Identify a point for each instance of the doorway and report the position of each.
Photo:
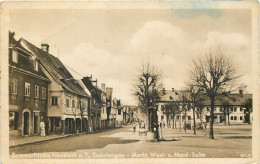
(26, 123)
(36, 124)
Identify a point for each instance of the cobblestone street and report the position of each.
(230, 142)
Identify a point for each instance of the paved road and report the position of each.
(84, 141)
(229, 142)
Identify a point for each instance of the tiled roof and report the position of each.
(25, 59)
(58, 71)
(233, 99)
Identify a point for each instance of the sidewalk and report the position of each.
(34, 139)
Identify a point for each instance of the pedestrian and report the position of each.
(42, 126)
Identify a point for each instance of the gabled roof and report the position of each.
(56, 69)
(25, 58)
(95, 92)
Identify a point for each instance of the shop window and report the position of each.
(13, 120)
(54, 101)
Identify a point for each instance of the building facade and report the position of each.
(28, 91)
(234, 105)
(67, 100)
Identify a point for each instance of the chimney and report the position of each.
(45, 47)
(241, 93)
(103, 87)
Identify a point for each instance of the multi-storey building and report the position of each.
(97, 104)
(234, 104)
(68, 102)
(28, 91)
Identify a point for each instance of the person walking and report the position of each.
(42, 126)
(134, 127)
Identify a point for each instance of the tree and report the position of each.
(225, 101)
(249, 109)
(195, 98)
(171, 109)
(215, 73)
(147, 88)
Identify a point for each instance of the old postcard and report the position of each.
(130, 82)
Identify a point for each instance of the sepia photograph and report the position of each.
(102, 81)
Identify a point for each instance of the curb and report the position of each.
(37, 141)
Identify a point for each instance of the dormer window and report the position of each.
(15, 56)
(36, 65)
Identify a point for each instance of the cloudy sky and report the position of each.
(111, 44)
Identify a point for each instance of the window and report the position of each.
(37, 88)
(162, 117)
(67, 103)
(15, 56)
(54, 100)
(14, 85)
(36, 65)
(73, 103)
(13, 120)
(43, 93)
(235, 117)
(231, 117)
(241, 117)
(27, 89)
(162, 107)
(235, 109)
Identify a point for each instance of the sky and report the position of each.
(110, 44)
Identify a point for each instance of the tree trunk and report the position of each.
(180, 120)
(194, 121)
(225, 121)
(148, 119)
(185, 120)
(211, 132)
(173, 122)
(228, 118)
